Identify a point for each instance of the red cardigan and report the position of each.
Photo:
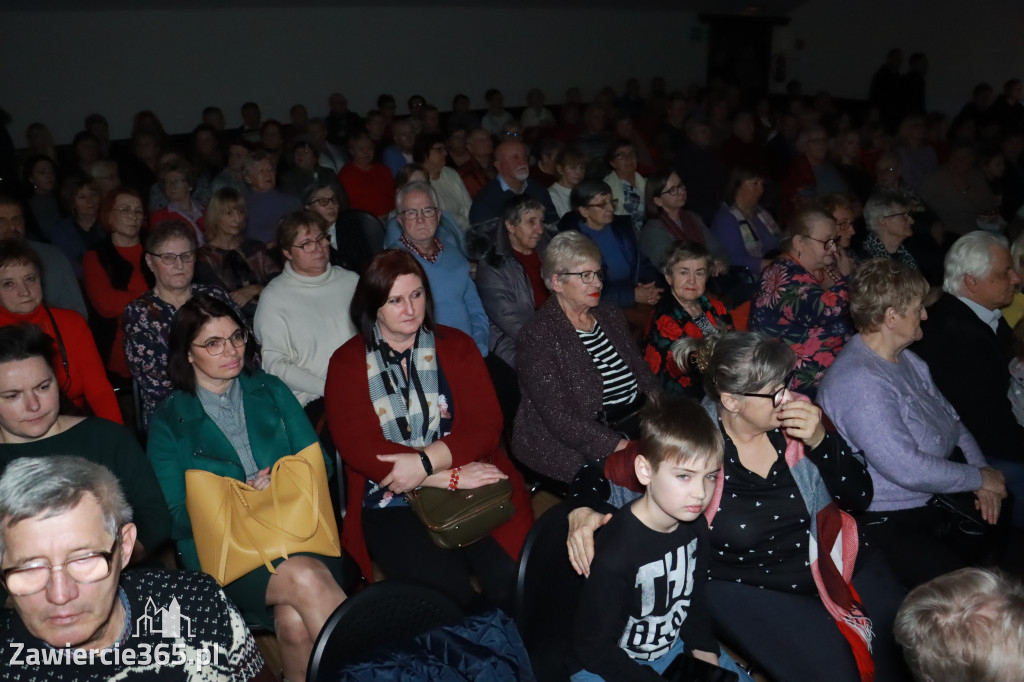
(356, 431)
(370, 190)
(89, 384)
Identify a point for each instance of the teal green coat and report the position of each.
(182, 437)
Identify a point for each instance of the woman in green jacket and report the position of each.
(233, 420)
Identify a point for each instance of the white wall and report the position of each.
(56, 67)
(966, 43)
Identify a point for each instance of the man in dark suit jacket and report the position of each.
(967, 346)
(510, 160)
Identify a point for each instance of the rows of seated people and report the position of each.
(582, 265)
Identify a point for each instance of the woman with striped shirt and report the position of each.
(580, 371)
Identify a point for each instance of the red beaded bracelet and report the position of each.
(453, 482)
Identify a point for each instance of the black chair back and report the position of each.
(547, 589)
(385, 613)
(366, 223)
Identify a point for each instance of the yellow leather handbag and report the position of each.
(238, 528)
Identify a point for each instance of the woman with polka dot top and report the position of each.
(789, 586)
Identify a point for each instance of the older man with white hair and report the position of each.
(967, 345)
(512, 163)
(66, 534)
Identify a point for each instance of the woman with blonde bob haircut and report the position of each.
(229, 260)
(882, 399)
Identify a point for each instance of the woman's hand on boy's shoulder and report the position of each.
(583, 523)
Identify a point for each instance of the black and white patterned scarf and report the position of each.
(406, 405)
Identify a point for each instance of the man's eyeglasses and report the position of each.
(587, 276)
(776, 397)
(217, 344)
(311, 245)
(427, 212)
(324, 202)
(171, 258)
(901, 214)
(22, 581)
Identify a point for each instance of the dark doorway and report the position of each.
(740, 52)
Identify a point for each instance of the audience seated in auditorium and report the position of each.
(461, 115)
(1008, 109)
(580, 370)
(570, 165)
(456, 299)
(403, 132)
(231, 261)
(478, 169)
(545, 157)
(430, 152)
(342, 122)
(958, 193)
(595, 137)
(213, 370)
(745, 228)
(918, 158)
(701, 169)
(177, 179)
(671, 134)
(329, 155)
(265, 203)
(170, 259)
(668, 222)
(81, 229)
(967, 345)
(368, 184)
(303, 315)
(811, 174)
(628, 186)
(232, 174)
(794, 304)
(60, 287)
(513, 168)
(82, 379)
(39, 173)
(305, 170)
(496, 117)
(113, 275)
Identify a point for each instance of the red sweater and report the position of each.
(356, 431)
(110, 302)
(88, 384)
(370, 190)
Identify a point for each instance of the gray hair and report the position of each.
(1017, 251)
(102, 164)
(736, 362)
(55, 484)
(882, 203)
(567, 251)
(254, 158)
(413, 188)
(971, 254)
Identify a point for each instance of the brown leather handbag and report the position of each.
(238, 528)
(461, 517)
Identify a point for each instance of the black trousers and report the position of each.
(401, 546)
(793, 638)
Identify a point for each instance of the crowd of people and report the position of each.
(462, 300)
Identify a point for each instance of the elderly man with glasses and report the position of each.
(455, 296)
(66, 534)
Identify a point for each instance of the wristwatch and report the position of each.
(427, 466)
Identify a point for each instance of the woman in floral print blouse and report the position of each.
(793, 304)
(688, 312)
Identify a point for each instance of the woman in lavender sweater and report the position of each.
(882, 399)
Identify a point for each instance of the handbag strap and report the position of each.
(312, 493)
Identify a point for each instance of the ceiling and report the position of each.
(738, 7)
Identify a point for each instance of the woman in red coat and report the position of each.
(79, 369)
(410, 404)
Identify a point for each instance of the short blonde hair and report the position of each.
(965, 626)
(222, 201)
(880, 284)
(567, 251)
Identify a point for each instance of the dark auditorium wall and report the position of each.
(56, 67)
(966, 43)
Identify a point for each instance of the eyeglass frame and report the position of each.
(599, 274)
(420, 213)
(776, 397)
(310, 245)
(108, 556)
(130, 212)
(321, 200)
(223, 342)
(901, 214)
(672, 191)
(168, 258)
(829, 244)
(612, 201)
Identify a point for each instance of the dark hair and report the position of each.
(185, 327)
(517, 207)
(402, 177)
(10, 200)
(584, 192)
(29, 166)
(383, 99)
(84, 136)
(18, 251)
(70, 188)
(24, 341)
(736, 362)
(491, 93)
(421, 147)
(292, 223)
(739, 175)
(615, 146)
(165, 230)
(655, 186)
(375, 285)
